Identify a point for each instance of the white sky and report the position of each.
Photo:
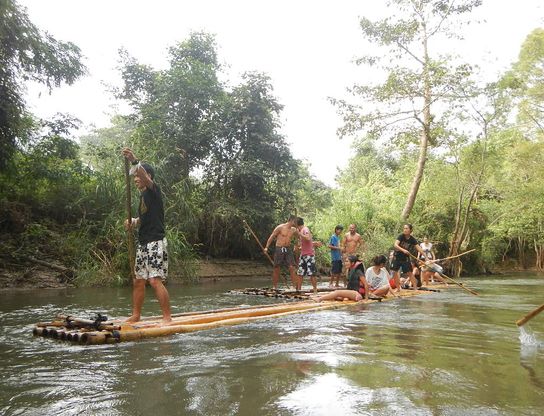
(306, 47)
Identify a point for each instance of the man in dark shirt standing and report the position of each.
(405, 245)
(151, 254)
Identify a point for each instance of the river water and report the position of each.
(447, 353)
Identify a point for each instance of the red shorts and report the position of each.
(392, 283)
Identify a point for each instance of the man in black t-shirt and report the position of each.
(151, 254)
(405, 245)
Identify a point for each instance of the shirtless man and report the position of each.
(283, 255)
(351, 244)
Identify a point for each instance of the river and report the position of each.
(447, 353)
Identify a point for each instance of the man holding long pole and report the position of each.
(283, 254)
(151, 255)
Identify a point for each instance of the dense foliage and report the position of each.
(220, 158)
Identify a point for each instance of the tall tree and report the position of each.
(27, 53)
(176, 110)
(399, 109)
(251, 172)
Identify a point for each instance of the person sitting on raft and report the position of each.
(377, 277)
(357, 288)
(430, 267)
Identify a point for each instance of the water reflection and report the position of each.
(442, 353)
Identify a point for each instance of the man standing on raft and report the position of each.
(306, 264)
(151, 254)
(283, 255)
(351, 244)
(405, 245)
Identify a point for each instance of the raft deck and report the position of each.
(100, 330)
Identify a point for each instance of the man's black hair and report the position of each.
(376, 261)
(300, 221)
(339, 227)
(353, 258)
(149, 169)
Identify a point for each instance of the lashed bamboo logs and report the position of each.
(92, 332)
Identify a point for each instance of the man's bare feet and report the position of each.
(166, 320)
(133, 319)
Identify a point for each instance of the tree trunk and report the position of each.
(521, 252)
(425, 135)
(539, 250)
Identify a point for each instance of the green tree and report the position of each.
(26, 53)
(176, 110)
(400, 109)
(251, 173)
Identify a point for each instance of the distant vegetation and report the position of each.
(220, 158)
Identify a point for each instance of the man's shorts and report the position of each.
(336, 267)
(403, 265)
(283, 256)
(152, 260)
(306, 266)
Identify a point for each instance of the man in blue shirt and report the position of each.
(336, 255)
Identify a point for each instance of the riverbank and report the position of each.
(41, 276)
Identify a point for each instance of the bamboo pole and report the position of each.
(70, 321)
(174, 329)
(38, 331)
(445, 276)
(263, 250)
(530, 315)
(130, 233)
(458, 255)
(196, 313)
(97, 337)
(191, 320)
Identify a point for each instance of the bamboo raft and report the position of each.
(268, 292)
(101, 330)
(306, 294)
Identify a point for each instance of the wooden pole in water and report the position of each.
(130, 233)
(530, 315)
(263, 250)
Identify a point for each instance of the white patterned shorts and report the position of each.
(152, 260)
(306, 266)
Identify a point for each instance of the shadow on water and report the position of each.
(442, 353)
